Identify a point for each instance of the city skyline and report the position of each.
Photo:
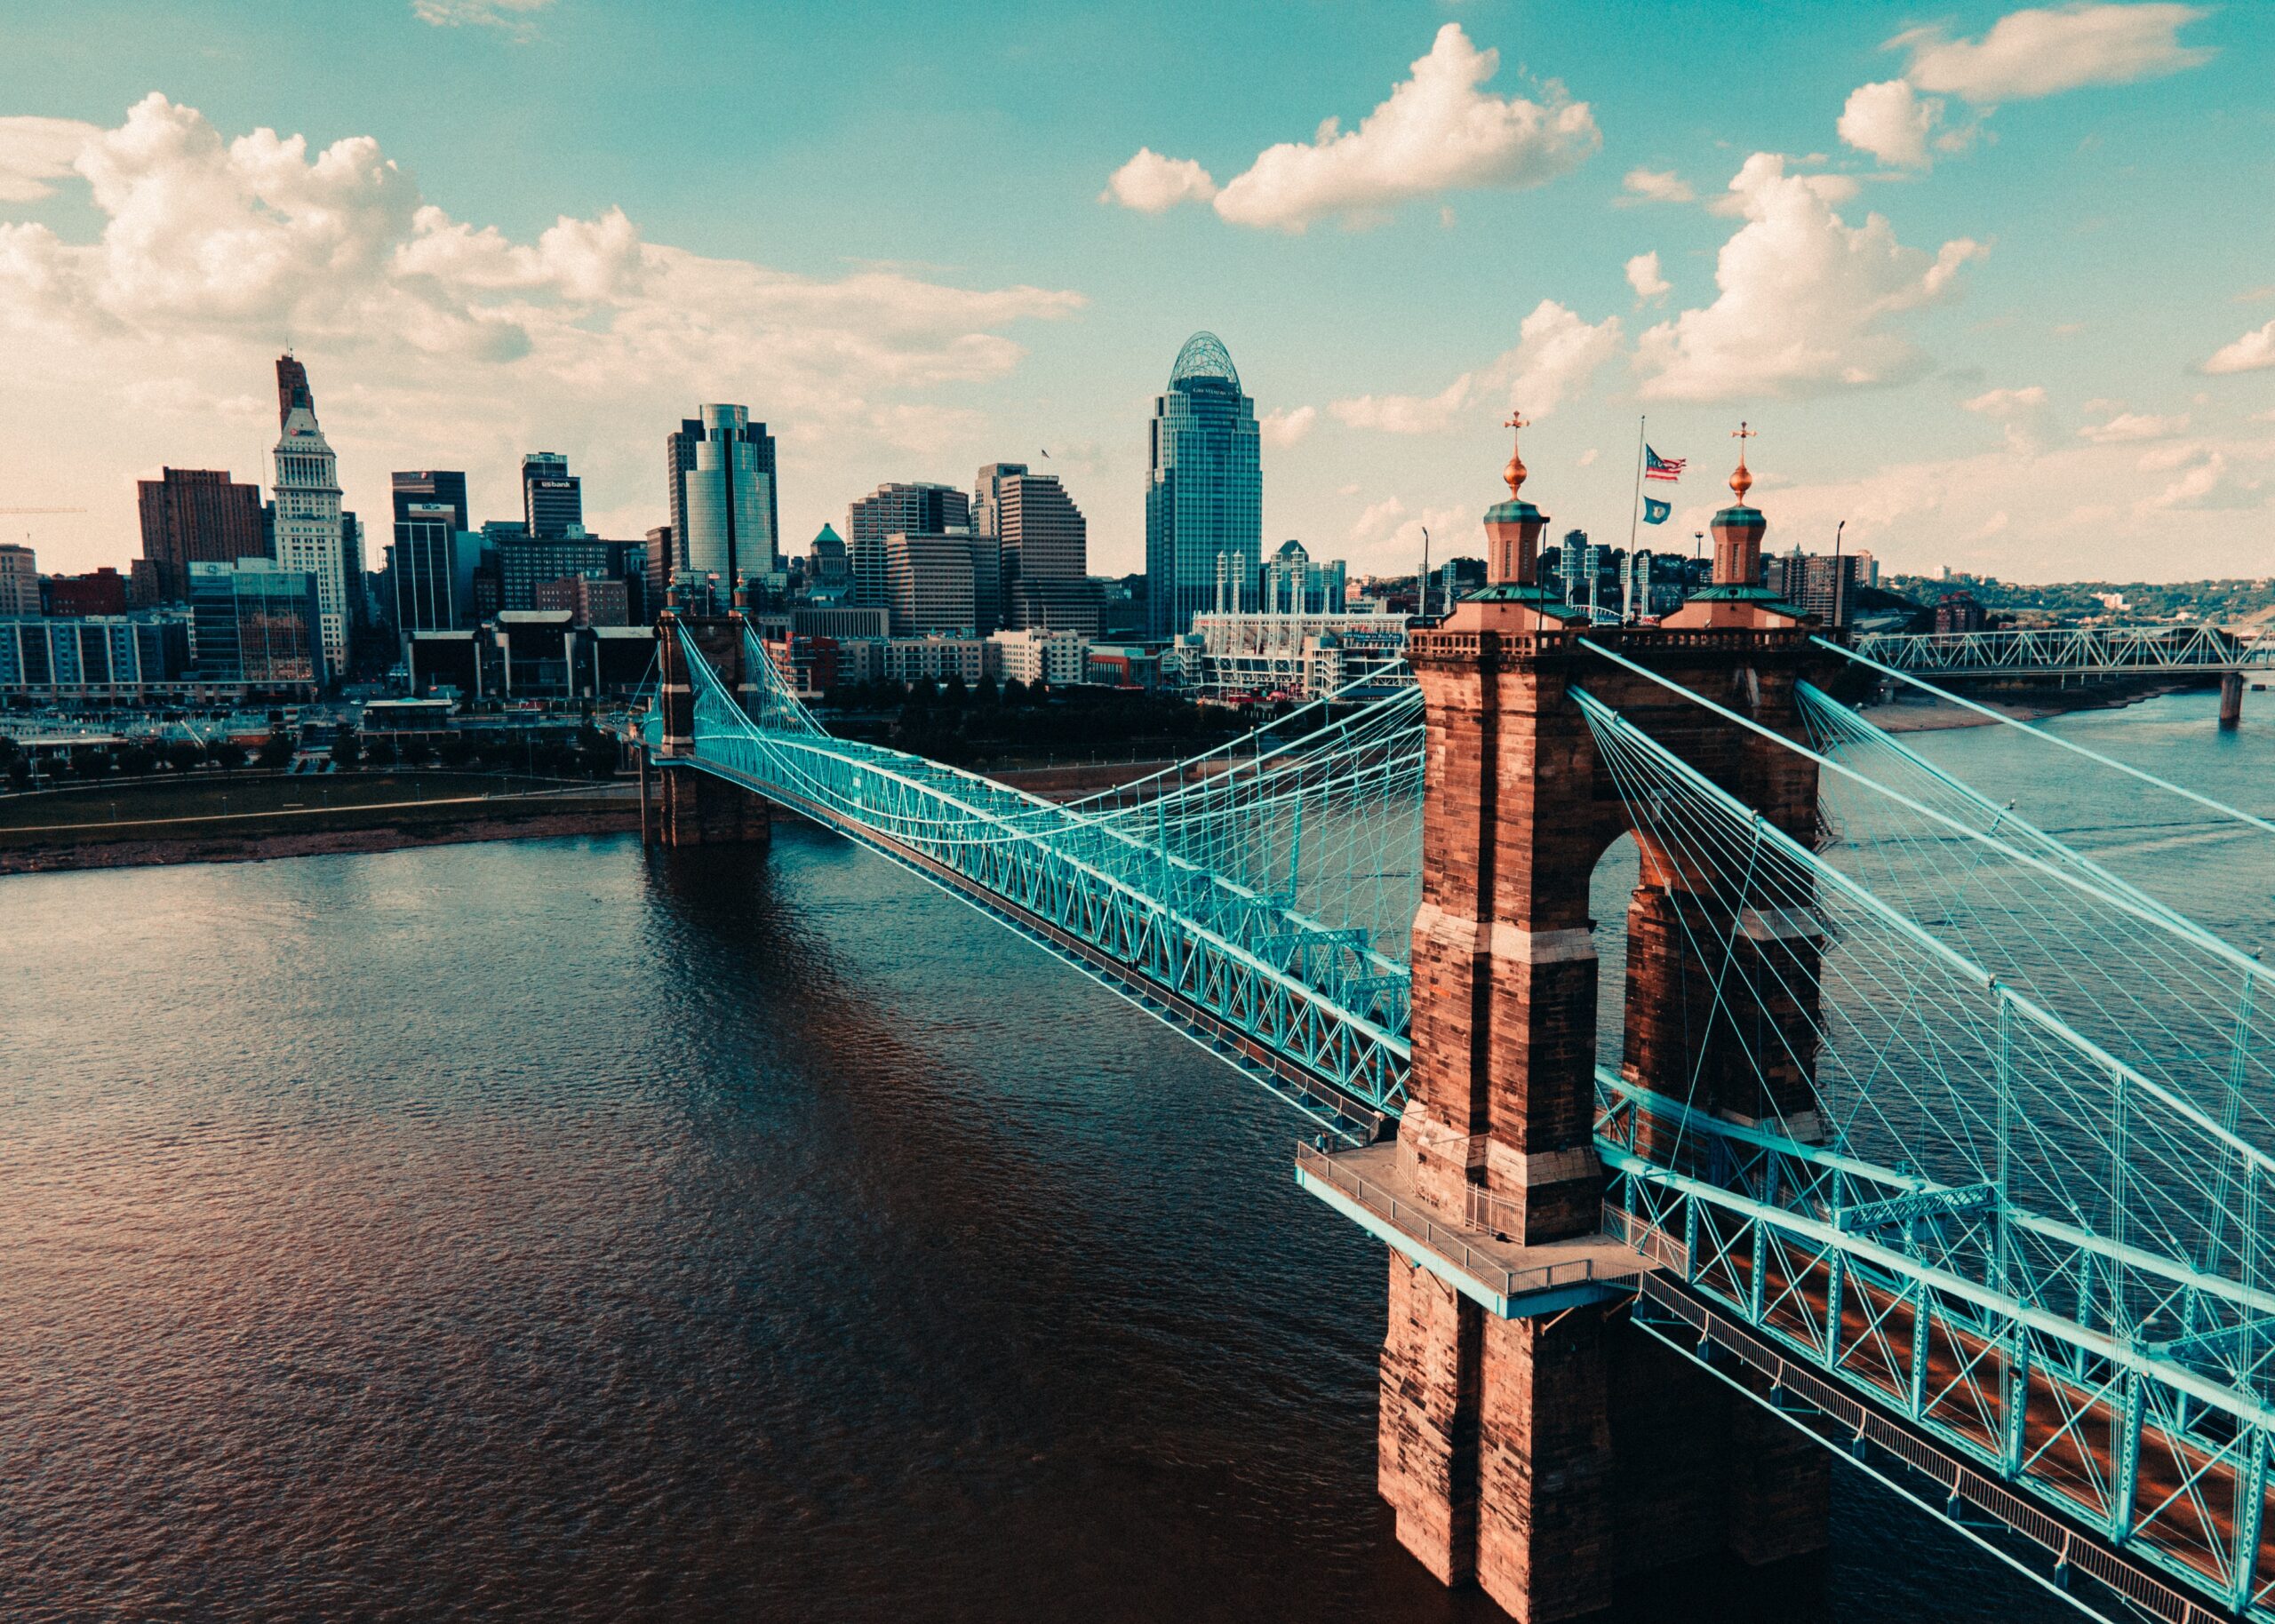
(1911, 265)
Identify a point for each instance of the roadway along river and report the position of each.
(532, 1232)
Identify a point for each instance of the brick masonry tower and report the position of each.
(1543, 1457)
(692, 808)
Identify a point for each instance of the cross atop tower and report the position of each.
(1514, 473)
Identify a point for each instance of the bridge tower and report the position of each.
(693, 807)
(1546, 1453)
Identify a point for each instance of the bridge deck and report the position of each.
(1371, 1188)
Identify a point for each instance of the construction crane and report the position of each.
(13, 512)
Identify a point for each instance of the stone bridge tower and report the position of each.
(1545, 1457)
(688, 807)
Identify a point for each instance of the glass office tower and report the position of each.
(724, 521)
(1204, 490)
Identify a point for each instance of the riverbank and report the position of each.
(254, 818)
(1920, 713)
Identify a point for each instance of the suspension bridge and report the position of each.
(1914, 1136)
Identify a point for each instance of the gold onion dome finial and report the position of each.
(1742, 481)
(1514, 473)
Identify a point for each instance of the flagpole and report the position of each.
(1635, 511)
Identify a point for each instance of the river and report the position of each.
(548, 1230)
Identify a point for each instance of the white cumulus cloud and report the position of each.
(1437, 131)
(1805, 299)
(1655, 186)
(2130, 426)
(36, 151)
(512, 16)
(2044, 51)
(1643, 276)
(1151, 183)
(1891, 121)
(2023, 411)
(1285, 426)
(430, 336)
(2255, 349)
(1556, 351)
(2005, 403)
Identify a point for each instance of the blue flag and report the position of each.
(1656, 512)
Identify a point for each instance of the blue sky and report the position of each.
(1971, 308)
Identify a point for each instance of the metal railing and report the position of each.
(1422, 1222)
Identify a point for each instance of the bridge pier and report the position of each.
(2230, 699)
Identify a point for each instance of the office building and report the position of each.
(524, 560)
(591, 600)
(929, 584)
(101, 592)
(1052, 659)
(921, 509)
(829, 572)
(839, 622)
(1204, 490)
(446, 486)
(1958, 611)
(1815, 583)
(658, 563)
(1042, 546)
(19, 580)
(987, 541)
(306, 527)
(257, 623)
(48, 658)
(553, 500)
(423, 565)
(1290, 583)
(194, 515)
(932, 658)
(723, 499)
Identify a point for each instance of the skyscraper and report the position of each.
(292, 389)
(424, 563)
(18, 581)
(921, 509)
(1045, 551)
(307, 525)
(1204, 490)
(724, 522)
(196, 515)
(426, 485)
(553, 501)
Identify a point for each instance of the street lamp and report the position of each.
(1839, 581)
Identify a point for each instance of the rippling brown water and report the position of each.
(541, 1231)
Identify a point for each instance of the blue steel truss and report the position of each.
(2027, 1226)
(1280, 970)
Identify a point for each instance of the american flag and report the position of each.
(1658, 467)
